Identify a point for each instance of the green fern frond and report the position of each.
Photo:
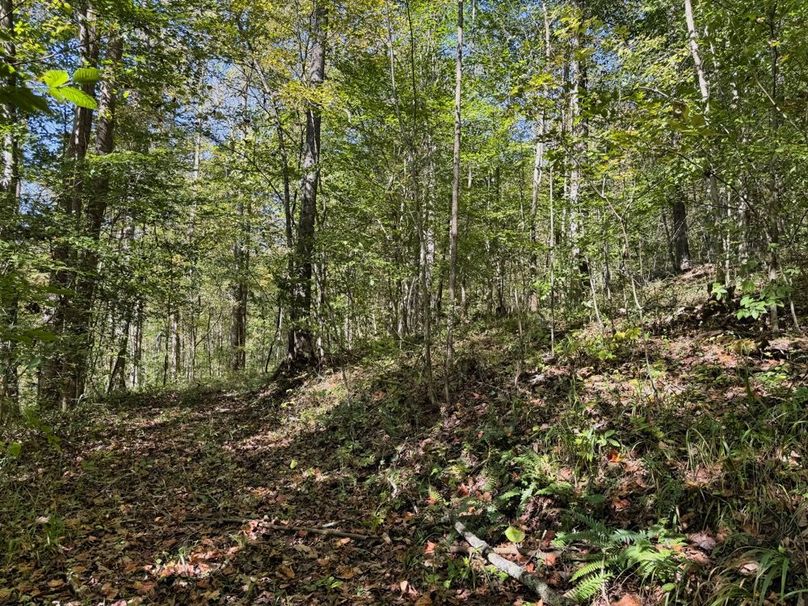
(587, 569)
(589, 586)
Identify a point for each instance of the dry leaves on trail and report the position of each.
(630, 599)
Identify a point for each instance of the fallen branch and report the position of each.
(324, 530)
(513, 570)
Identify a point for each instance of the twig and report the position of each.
(324, 530)
(513, 570)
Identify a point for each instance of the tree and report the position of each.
(453, 217)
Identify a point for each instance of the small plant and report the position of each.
(535, 478)
(590, 442)
(754, 577)
(754, 305)
(652, 554)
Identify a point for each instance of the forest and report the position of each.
(404, 302)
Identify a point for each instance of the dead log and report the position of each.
(512, 569)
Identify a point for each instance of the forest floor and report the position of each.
(671, 455)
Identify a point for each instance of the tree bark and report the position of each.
(92, 220)
(9, 191)
(704, 91)
(301, 350)
(240, 293)
(693, 42)
(681, 246)
(453, 220)
(60, 375)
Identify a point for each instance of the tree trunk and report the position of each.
(301, 350)
(704, 91)
(681, 246)
(9, 191)
(693, 38)
(580, 274)
(59, 378)
(538, 173)
(238, 325)
(98, 194)
(453, 220)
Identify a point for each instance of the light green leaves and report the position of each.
(86, 75)
(514, 535)
(74, 96)
(14, 450)
(56, 80)
(23, 99)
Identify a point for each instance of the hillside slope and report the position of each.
(654, 463)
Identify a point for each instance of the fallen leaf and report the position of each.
(620, 504)
(703, 541)
(346, 572)
(286, 571)
(630, 599)
(144, 587)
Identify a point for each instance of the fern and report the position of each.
(589, 586)
(650, 552)
(587, 569)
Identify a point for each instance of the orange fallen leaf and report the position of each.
(620, 504)
(630, 599)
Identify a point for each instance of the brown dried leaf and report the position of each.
(630, 599)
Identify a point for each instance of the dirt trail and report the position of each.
(170, 501)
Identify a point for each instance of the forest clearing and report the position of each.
(404, 302)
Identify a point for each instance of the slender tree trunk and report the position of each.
(301, 344)
(453, 220)
(137, 379)
(92, 220)
(693, 39)
(240, 293)
(59, 378)
(704, 91)
(9, 191)
(117, 376)
(681, 246)
(774, 212)
(538, 173)
(580, 279)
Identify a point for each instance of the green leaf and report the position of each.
(74, 96)
(54, 78)
(86, 75)
(23, 99)
(14, 450)
(514, 535)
